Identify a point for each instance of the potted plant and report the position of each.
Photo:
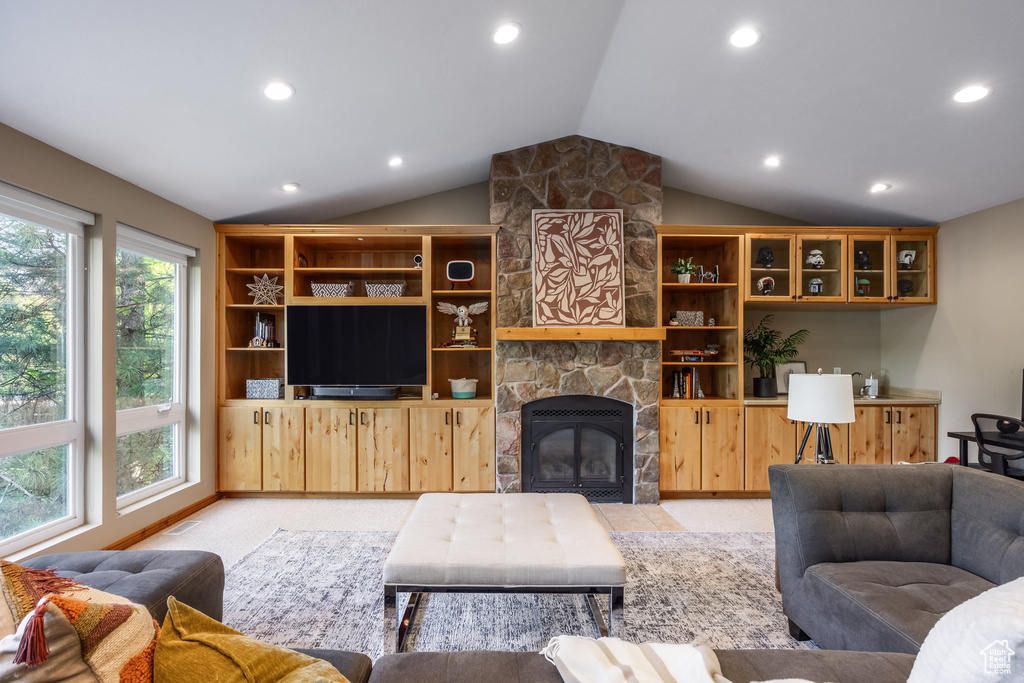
(684, 268)
(764, 348)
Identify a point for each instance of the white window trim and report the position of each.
(133, 420)
(70, 431)
(49, 213)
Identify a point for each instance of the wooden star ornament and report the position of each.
(265, 290)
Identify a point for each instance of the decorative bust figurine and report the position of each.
(765, 257)
(863, 260)
(815, 286)
(766, 284)
(815, 259)
(905, 287)
(906, 258)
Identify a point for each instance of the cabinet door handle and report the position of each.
(696, 417)
(255, 417)
(446, 414)
(707, 417)
(888, 417)
(266, 417)
(800, 297)
(458, 418)
(351, 417)
(362, 418)
(794, 297)
(899, 417)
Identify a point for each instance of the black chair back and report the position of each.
(993, 455)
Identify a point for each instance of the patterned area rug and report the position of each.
(322, 589)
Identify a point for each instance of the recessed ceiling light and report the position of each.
(506, 33)
(290, 187)
(971, 93)
(881, 187)
(773, 161)
(745, 36)
(278, 90)
(395, 162)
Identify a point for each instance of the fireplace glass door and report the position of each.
(581, 456)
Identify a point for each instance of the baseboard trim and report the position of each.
(166, 522)
(677, 495)
(339, 495)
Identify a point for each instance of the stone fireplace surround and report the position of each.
(577, 173)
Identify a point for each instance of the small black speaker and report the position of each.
(460, 271)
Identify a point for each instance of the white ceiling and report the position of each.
(167, 96)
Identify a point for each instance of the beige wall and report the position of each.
(686, 208)
(462, 206)
(35, 166)
(969, 345)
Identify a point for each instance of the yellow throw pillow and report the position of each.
(194, 647)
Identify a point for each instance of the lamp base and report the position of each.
(823, 445)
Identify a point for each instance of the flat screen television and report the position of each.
(356, 345)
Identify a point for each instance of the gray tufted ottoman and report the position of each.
(147, 577)
(503, 543)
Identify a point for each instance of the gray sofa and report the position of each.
(870, 557)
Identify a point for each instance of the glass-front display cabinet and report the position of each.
(868, 280)
(821, 267)
(770, 275)
(912, 263)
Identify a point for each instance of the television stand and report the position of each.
(354, 393)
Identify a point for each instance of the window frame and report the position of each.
(174, 413)
(51, 215)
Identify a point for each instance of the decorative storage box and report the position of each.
(390, 289)
(690, 318)
(332, 288)
(267, 388)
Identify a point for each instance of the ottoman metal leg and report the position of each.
(391, 625)
(616, 612)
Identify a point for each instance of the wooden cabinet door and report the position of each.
(913, 433)
(430, 449)
(474, 449)
(284, 452)
(839, 435)
(240, 449)
(680, 449)
(330, 449)
(722, 449)
(382, 449)
(871, 436)
(770, 439)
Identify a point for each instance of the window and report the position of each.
(41, 371)
(152, 337)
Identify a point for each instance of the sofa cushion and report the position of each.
(835, 666)
(881, 606)
(465, 667)
(194, 647)
(988, 525)
(147, 577)
(355, 666)
(977, 639)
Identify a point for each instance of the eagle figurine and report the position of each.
(462, 313)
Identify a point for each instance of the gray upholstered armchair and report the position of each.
(870, 557)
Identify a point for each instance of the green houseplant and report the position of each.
(684, 268)
(764, 348)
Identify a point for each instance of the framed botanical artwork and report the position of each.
(578, 273)
(782, 373)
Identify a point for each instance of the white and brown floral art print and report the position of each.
(578, 276)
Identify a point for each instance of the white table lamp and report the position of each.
(820, 400)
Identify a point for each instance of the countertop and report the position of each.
(892, 396)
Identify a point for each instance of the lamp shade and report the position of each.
(821, 398)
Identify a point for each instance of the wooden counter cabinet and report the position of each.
(701, 448)
(887, 434)
(382, 449)
(452, 449)
(262, 449)
(331, 449)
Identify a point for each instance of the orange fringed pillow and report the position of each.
(71, 631)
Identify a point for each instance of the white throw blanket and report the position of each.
(612, 660)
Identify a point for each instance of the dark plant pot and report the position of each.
(765, 387)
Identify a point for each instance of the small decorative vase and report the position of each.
(683, 279)
(765, 387)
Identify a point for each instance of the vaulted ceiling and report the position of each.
(168, 96)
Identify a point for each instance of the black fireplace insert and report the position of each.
(579, 444)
